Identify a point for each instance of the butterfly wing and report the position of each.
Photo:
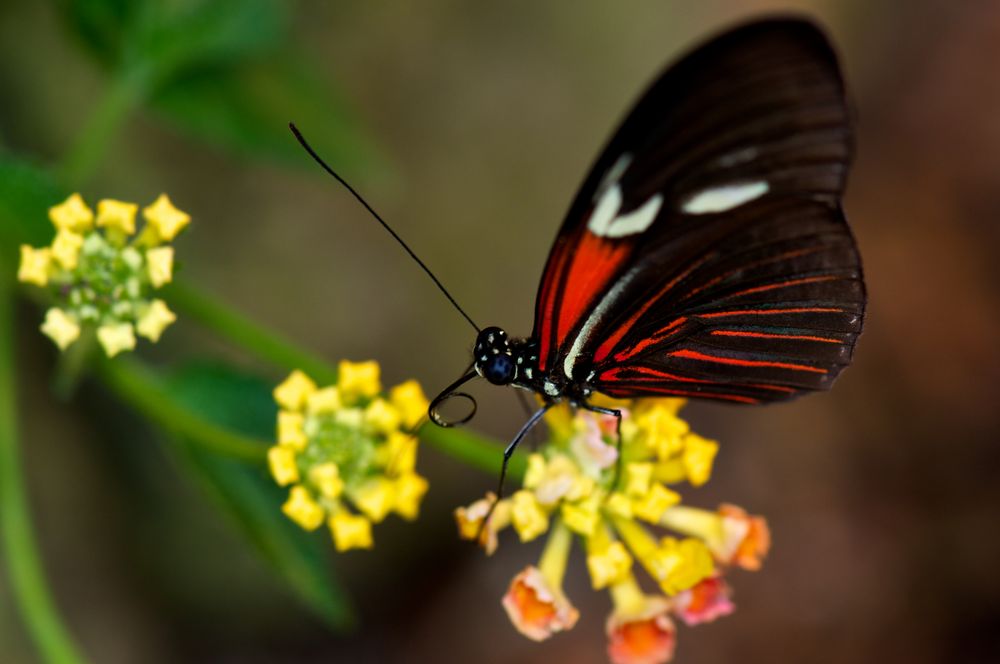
(706, 254)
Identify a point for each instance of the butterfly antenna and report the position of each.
(312, 153)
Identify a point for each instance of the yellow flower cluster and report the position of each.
(348, 445)
(572, 487)
(102, 274)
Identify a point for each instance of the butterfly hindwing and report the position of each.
(706, 254)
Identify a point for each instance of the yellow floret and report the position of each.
(527, 515)
(699, 453)
(409, 491)
(281, 461)
(656, 501)
(66, 248)
(291, 431)
(302, 509)
(117, 215)
(155, 320)
(164, 219)
(358, 379)
(381, 416)
(35, 264)
(60, 327)
(326, 400)
(116, 337)
(375, 498)
(72, 215)
(610, 565)
(294, 391)
(350, 531)
(410, 401)
(160, 265)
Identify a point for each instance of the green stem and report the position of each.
(470, 448)
(72, 365)
(239, 329)
(124, 95)
(27, 577)
(139, 387)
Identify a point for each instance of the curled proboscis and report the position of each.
(449, 393)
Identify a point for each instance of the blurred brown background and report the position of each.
(882, 495)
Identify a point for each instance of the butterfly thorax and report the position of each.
(503, 360)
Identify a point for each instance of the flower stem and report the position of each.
(236, 327)
(140, 388)
(124, 95)
(556, 553)
(472, 449)
(27, 577)
(72, 364)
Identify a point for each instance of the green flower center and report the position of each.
(343, 443)
(109, 283)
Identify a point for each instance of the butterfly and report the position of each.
(706, 255)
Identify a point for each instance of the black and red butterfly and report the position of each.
(706, 254)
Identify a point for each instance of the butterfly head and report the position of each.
(494, 359)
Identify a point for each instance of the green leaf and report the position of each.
(174, 38)
(248, 494)
(26, 193)
(224, 72)
(100, 24)
(249, 110)
(168, 36)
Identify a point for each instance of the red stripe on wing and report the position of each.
(605, 348)
(784, 284)
(788, 255)
(546, 303)
(695, 355)
(652, 340)
(768, 335)
(592, 263)
(773, 312)
(644, 374)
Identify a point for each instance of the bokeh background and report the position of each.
(469, 126)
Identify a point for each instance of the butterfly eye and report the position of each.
(499, 369)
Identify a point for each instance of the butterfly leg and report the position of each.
(617, 414)
(507, 453)
(528, 412)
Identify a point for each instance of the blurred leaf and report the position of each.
(166, 36)
(26, 193)
(222, 71)
(100, 24)
(248, 494)
(173, 38)
(249, 112)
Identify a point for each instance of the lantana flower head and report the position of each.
(103, 274)
(629, 516)
(347, 452)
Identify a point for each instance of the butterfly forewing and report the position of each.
(706, 253)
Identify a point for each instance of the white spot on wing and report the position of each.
(614, 174)
(606, 222)
(605, 211)
(724, 198)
